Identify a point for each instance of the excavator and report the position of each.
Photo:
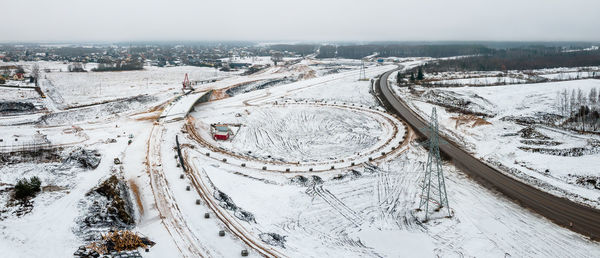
(187, 84)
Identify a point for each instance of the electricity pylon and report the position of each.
(362, 76)
(434, 187)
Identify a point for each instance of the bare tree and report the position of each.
(580, 98)
(580, 109)
(559, 102)
(598, 98)
(5, 71)
(592, 97)
(565, 101)
(35, 72)
(276, 57)
(572, 103)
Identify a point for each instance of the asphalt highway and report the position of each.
(564, 212)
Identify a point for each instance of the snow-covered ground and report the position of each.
(358, 200)
(503, 141)
(317, 130)
(481, 81)
(79, 89)
(489, 78)
(353, 212)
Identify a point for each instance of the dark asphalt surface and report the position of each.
(574, 216)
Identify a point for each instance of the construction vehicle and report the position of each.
(186, 84)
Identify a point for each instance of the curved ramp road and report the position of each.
(574, 216)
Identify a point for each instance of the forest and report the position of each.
(519, 59)
(401, 50)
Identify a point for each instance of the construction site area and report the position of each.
(302, 158)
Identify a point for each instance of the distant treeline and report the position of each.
(119, 66)
(360, 51)
(72, 51)
(519, 59)
(300, 49)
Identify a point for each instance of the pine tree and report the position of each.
(25, 189)
(412, 77)
(420, 75)
(399, 78)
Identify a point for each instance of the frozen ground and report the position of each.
(352, 212)
(360, 207)
(316, 130)
(501, 140)
(488, 78)
(79, 89)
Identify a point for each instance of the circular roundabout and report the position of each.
(298, 136)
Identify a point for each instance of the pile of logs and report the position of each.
(120, 240)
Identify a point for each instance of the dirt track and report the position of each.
(185, 240)
(203, 189)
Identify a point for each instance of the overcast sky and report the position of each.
(299, 20)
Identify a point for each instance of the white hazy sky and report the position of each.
(299, 20)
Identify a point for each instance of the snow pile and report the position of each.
(227, 203)
(273, 239)
(468, 103)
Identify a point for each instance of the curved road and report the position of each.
(574, 216)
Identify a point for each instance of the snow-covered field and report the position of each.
(481, 81)
(260, 187)
(352, 212)
(8, 94)
(79, 89)
(490, 78)
(535, 154)
(316, 130)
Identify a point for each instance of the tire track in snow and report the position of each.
(338, 205)
(185, 240)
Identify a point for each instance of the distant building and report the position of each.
(19, 77)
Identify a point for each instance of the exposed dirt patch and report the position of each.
(148, 117)
(469, 120)
(116, 192)
(136, 192)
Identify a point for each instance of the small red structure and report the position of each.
(221, 132)
(221, 136)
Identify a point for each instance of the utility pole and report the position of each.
(433, 189)
(362, 75)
